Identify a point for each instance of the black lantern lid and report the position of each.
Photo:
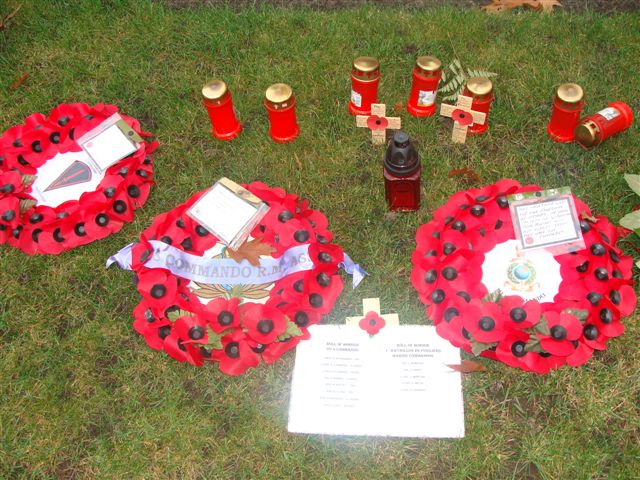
(401, 158)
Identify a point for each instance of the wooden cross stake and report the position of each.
(373, 305)
(463, 117)
(378, 123)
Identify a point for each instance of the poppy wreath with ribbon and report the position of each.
(96, 214)
(198, 323)
(593, 296)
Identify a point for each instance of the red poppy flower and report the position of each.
(513, 349)
(272, 352)
(183, 340)
(520, 314)
(157, 286)
(264, 324)
(374, 122)
(148, 325)
(485, 322)
(580, 355)
(236, 355)
(372, 323)
(565, 328)
(462, 117)
(222, 314)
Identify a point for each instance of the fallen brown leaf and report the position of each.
(398, 108)
(251, 250)
(505, 5)
(466, 173)
(5, 21)
(468, 366)
(547, 5)
(20, 79)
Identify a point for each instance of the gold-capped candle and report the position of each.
(216, 97)
(280, 103)
(365, 76)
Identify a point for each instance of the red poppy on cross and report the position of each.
(378, 123)
(463, 117)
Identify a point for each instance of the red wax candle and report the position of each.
(402, 174)
(281, 105)
(481, 90)
(567, 106)
(217, 98)
(365, 76)
(427, 73)
(594, 129)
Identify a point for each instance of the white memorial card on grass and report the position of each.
(394, 383)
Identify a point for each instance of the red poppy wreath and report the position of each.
(200, 304)
(51, 199)
(551, 310)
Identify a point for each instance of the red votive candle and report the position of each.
(567, 106)
(402, 174)
(480, 89)
(365, 76)
(217, 98)
(427, 73)
(594, 129)
(281, 105)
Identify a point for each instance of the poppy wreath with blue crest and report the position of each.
(594, 295)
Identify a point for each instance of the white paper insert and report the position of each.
(222, 212)
(108, 147)
(546, 223)
(426, 98)
(65, 177)
(393, 384)
(356, 98)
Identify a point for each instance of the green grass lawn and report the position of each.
(82, 396)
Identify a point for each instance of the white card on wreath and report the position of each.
(229, 211)
(109, 142)
(394, 383)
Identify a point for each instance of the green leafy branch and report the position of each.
(454, 81)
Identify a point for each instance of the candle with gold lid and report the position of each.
(427, 73)
(216, 97)
(365, 76)
(594, 129)
(567, 107)
(280, 104)
(480, 89)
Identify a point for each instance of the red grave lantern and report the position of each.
(567, 106)
(365, 76)
(427, 73)
(594, 129)
(217, 98)
(480, 89)
(281, 105)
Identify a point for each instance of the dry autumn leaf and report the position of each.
(466, 173)
(504, 5)
(547, 5)
(251, 250)
(468, 366)
(5, 21)
(398, 108)
(20, 79)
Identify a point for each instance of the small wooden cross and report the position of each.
(378, 123)
(373, 305)
(463, 117)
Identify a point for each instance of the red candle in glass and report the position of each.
(365, 76)
(402, 174)
(567, 106)
(594, 129)
(481, 90)
(217, 98)
(427, 73)
(281, 105)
